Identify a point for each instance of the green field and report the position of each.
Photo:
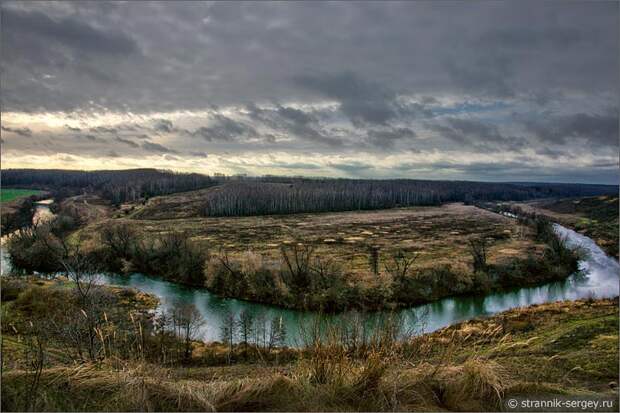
(10, 194)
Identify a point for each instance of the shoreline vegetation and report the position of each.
(595, 217)
(18, 212)
(104, 350)
(300, 277)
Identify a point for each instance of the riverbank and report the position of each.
(399, 258)
(594, 217)
(566, 348)
(19, 209)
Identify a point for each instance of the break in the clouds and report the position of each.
(446, 90)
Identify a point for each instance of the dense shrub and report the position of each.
(35, 248)
(171, 255)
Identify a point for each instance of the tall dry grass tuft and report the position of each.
(99, 387)
(257, 395)
(476, 384)
(370, 375)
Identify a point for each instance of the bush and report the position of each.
(172, 255)
(35, 249)
(10, 288)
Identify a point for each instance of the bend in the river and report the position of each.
(598, 278)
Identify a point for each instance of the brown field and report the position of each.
(179, 205)
(438, 234)
(88, 208)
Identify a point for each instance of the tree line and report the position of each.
(116, 186)
(244, 196)
(263, 196)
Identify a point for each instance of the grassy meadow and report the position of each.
(438, 235)
(10, 194)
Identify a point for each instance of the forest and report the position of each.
(115, 186)
(244, 196)
(264, 196)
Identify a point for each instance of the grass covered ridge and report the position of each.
(568, 348)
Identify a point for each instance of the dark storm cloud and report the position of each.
(163, 125)
(156, 147)
(91, 138)
(518, 37)
(198, 154)
(387, 138)
(66, 31)
(73, 129)
(172, 55)
(364, 102)
(25, 132)
(295, 115)
(127, 142)
(487, 75)
(292, 121)
(224, 129)
(597, 129)
(327, 78)
(103, 129)
(476, 133)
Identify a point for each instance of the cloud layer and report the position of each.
(490, 91)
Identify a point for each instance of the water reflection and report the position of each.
(598, 278)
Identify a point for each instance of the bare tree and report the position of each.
(277, 332)
(119, 238)
(374, 258)
(478, 249)
(400, 263)
(227, 332)
(325, 272)
(297, 258)
(187, 322)
(35, 340)
(80, 268)
(245, 327)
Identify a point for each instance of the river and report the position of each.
(598, 278)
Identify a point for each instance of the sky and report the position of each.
(492, 91)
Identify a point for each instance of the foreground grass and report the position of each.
(568, 348)
(9, 194)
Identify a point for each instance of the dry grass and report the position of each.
(596, 217)
(89, 208)
(439, 234)
(472, 366)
